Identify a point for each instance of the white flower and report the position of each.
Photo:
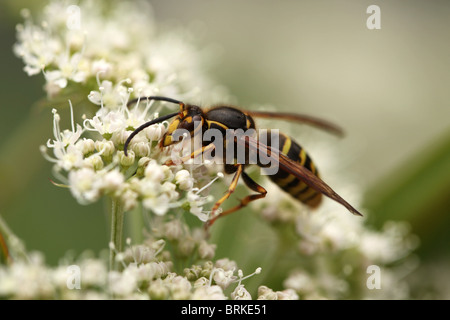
(86, 146)
(206, 250)
(208, 293)
(35, 45)
(223, 278)
(226, 264)
(158, 204)
(179, 286)
(174, 230)
(200, 282)
(106, 122)
(158, 290)
(67, 156)
(184, 180)
(93, 273)
(287, 294)
(106, 148)
(154, 172)
(113, 181)
(66, 70)
(102, 67)
(240, 293)
(123, 283)
(265, 293)
(85, 185)
(301, 282)
(155, 132)
(110, 96)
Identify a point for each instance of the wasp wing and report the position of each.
(301, 118)
(295, 169)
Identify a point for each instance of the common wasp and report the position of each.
(296, 173)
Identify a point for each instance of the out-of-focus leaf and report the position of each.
(20, 158)
(418, 193)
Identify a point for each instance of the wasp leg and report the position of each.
(231, 188)
(193, 155)
(252, 185)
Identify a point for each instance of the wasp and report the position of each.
(297, 173)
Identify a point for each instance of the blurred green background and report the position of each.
(389, 89)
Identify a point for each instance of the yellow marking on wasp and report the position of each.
(300, 187)
(285, 181)
(167, 141)
(249, 124)
(313, 167)
(305, 195)
(231, 188)
(287, 145)
(173, 126)
(302, 156)
(168, 137)
(216, 123)
(315, 200)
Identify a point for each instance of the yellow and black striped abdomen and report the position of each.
(289, 183)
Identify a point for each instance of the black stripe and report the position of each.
(306, 188)
(292, 184)
(279, 175)
(307, 164)
(310, 197)
(294, 151)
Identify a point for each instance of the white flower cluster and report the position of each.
(332, 233)
(148, 273)
(74, 41)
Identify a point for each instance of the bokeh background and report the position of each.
(389, 89)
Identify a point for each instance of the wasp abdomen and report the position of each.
(288, 182)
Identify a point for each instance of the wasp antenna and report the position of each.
(156, 98)
(145, 125)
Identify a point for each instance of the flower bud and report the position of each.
(105, 147)
(240, 293)
(86, 146)
(95, 162)
(206, 250)
(124, 160)
(184, 180)
(155, 132)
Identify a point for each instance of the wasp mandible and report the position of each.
(297, 174)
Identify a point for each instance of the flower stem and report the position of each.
(116, 232)
(135, 222)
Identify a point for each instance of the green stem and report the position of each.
(135, 224)
(116, 232)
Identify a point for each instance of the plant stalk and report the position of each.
(116, 240)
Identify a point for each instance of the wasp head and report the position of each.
(189, 120)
